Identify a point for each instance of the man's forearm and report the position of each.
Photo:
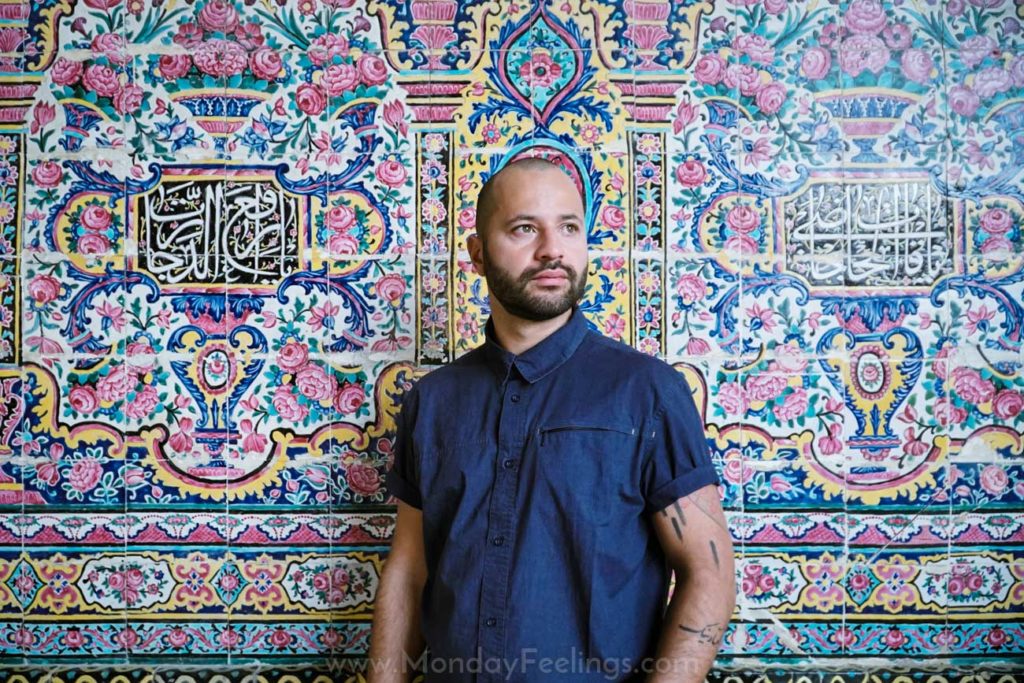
(695, 622)
(396, 642)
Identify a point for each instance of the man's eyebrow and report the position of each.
(532, 218)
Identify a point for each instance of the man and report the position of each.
(547, 481)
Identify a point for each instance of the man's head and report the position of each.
(531, 242)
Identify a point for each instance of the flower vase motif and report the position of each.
(866, 116)
(434, 19)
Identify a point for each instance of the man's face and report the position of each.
(533, 250)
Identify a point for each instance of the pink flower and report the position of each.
(997, 637)
(372, 69)
(861, 52)
(765, 386)
(970, 386)
(101, 79)
(146, 401)
(128, 99)
(754, 46)
(613, 217)
(85, 474)
(949, 414)
(392, 173)
(287, 406)
(793, 406)
(691, 173)
(115, 385)
(43, 289)
(686, 114)
(83, 399)
(349, 399)
(314, 383)
(761, 318)
(744, 77)
(897, 36)
(831, 445)
(993, 480)
(112, 46)
(540, 70)
(775, 6)
(771, 97)
(173, 67)
(362, 478)
(265, 63)
(991, 81)
(391, 288)
(789, 357)
(894, 638)
(1007, 404)
(342, 244)
(394, 116)
(310, 99)
(830, 33)
(327, 47)
(710, 69)
(913, 446)
(48, 174)
(249, 36)
(467, 218)
(337, 78)
(996, 221)
(340, 218)
(742, 219)
(252, 442)
(917, 65)
(975, 49)
(614, 326)
(96, 217)
(65, 71)
(181, 441)
(189, 35)
(220, 58)
(691, 288)
(963, 100)
(979, 318)
(866, 17)
(696, 346)
(141, 355)
(816, 62)
(778, 484)
(996, 244)
(733, 469)
(218, 16)
(733, 398)
(292, 356)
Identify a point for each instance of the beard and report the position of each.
(514, 296)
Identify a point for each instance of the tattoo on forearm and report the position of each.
(675, 524)
(710, 634)
(679, 511)
(714, 554)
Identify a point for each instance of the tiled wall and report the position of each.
(233, 233)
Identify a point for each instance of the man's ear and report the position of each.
(475, 245)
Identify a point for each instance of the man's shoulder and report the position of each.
(453, 374)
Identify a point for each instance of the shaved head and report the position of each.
(487, 200)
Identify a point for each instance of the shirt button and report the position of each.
(498, 540)
(491, 622)
(509, 464)
(515, 398)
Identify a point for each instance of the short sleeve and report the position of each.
(677, 461)
(403, 478)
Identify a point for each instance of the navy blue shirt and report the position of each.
(537, 476)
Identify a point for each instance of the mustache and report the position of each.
(550, 265)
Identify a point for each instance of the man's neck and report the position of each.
(518, 335)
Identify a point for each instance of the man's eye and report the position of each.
(572, 227)
(523, 228)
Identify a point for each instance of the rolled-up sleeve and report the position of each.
(676, 461)
(403, 478)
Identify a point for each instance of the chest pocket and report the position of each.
(586, 467)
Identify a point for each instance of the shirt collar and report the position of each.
(542, 358)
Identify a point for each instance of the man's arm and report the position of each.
(694, 536)
(396, 641)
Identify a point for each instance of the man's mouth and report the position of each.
(550, 277)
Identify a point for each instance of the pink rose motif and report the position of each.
(287, 405)
(917, 65)
(816, 62)
(178, 638)
(765, 386)
(392, 173)
(691, 288)
(314, 383)
(83, 399)
(691, 173)
(349, 399)
(337, 78)
(292, 356)
(754, 46)
(831, 444)
(91, 243)
(613, 217)
(280, 638)
(996, 221)
(362, 479)
(218, 16)
(742, 219)
(128, 99)
(65, 71)
(775, 6)
(391, 288)
(897, 36)
(47, 174)
(1017, 71)
(372, 69)
(146, 401)
(189, 35)
(744, 77)
(992, 80)
(467, 218)
(866, 17)
(997, 637)
(733, 469)
(789, 357)
(948, 414)
(863, 52)
(112, 46)
(96, 217)
(894, 638)
(733, 398)
(540, 70)
(1007, 404)
(793, 406)
(710, 69)
(141, 355)
(771, 97)
(265, 63)
(173, 67)
(741, 244)
(249, 36)
(310, 99)
(342, 244)
(115, 385)
(101, 79)
(326, 47)
(996, 244)
(964, 101)
(831, 33)
(73, 639)
(975, 49)
(85, 474)
(340, 218)
(994, 480)
(970, 386)
(696, 346)
(220, 57)
(43, 289)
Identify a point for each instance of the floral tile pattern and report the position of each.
(233, 234)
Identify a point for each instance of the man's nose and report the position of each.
(550, 246)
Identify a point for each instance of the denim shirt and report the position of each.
(537, 476)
